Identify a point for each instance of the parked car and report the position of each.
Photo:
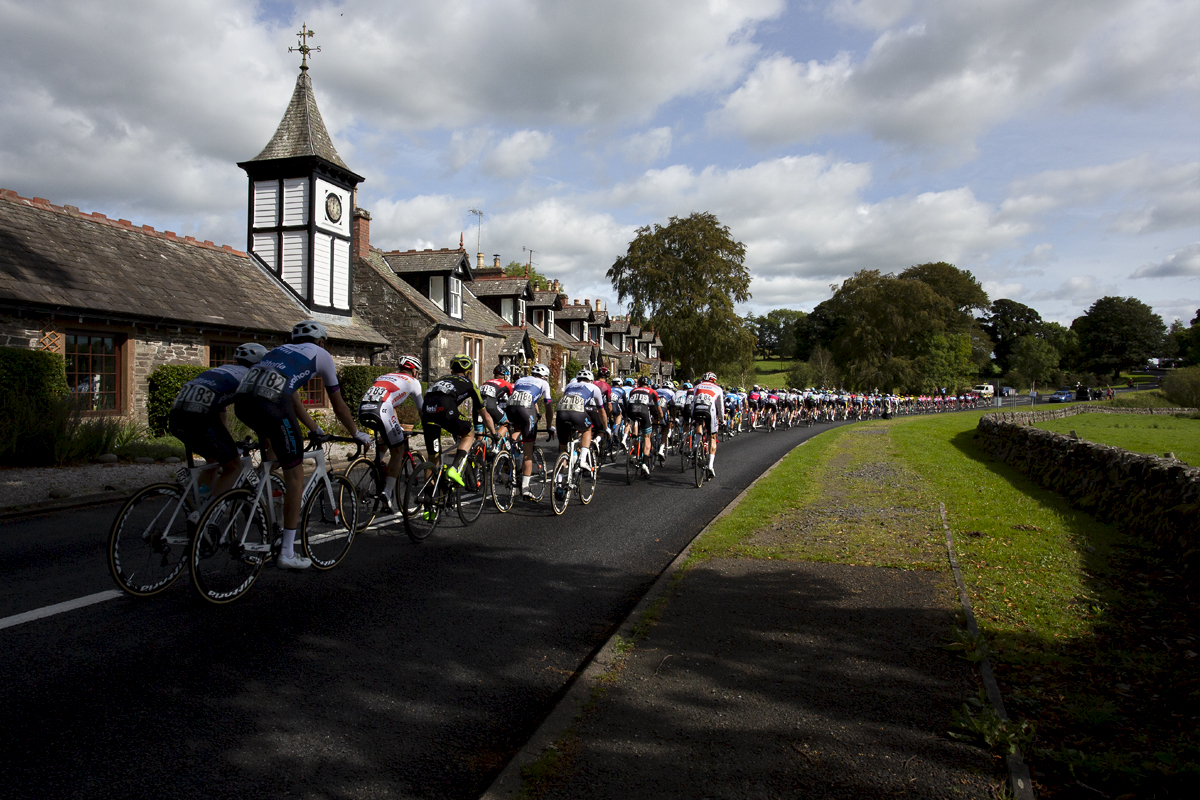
(1007, 391)
(1062, 396)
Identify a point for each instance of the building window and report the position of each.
(550, 323)
(455, 297)
(93, 368)
(521, 321)
(473, 346)
(313, 392)
(539, 318)
(220, 353)
(577, 330)
(437, 291)
(506, 310)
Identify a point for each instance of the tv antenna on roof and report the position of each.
(478, 228)
(525, 249)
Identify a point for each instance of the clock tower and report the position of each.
(302, 203)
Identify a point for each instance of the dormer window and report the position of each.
(437, 291)
(521, 321)
(577, 330)
(455, 297)
(550, 322)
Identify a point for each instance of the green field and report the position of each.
(773, 372)
(1152, 435)
(1090, 632)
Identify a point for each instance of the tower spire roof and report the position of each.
(301, 132)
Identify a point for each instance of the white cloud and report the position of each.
(1183, 263)
(647, 147)
(960, 68)
(1079, 290)
(996, 290)
(514, 156)
(869, 14)
(465, 147)
(419, 222)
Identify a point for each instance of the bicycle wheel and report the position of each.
(560, 488)
(147, 545)
(585, 482)
(422, 505)
(329, 521)
(230, 546)
(368, 484)
(504, 482)
(630, 464)
(475, 475)
(685, 450)
(701, 464)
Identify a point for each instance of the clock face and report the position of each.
(333, 207)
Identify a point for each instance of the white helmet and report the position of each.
(249, 353)
(540, 371)
(584, 375)
(309, 329)
(710, 377)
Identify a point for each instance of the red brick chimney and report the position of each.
(360, 234)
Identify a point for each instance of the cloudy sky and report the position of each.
(1052, 147)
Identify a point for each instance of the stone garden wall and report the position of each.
(1156, 498)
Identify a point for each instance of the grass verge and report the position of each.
(1152, 435)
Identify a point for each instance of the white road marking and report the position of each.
(59, 608)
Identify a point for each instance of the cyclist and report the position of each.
(732, 405)
(441, 412)
(616, 408)
(601, 383)
(643, 403)
(683, 404)
(268, 401)
(666, 405)
(377, 412)
(495, 395)
(707, 412)
(580, 408)
(522, 412)
(756, 399)
(199, 420)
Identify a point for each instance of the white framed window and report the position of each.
(550, 323)
(506, 309)
(539, 318)
(577, 330)
(455, 297)
(437, 291)
(521, 321)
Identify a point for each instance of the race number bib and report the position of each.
(521, 399)
(375, 394)
(639, 399)
(442, 387)
(703, 401)
(195, 399)
(663, 402)
(487, 390)
(571, 402)
(265, 383)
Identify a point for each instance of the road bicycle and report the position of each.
(634, 458)
(148, 540)
(571, 476)
(429, 492)
(369, 476)
(241, 530)
(697, 456)
(507, 469)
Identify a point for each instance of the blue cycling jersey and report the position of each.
(212, 390)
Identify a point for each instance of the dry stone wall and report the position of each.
(1155, 498)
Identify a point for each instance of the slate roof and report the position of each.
(618, 325)
(547, 299)
(575, 312)
(601, 318)
(59, 259)
(514, 344)
(446, 260)
(301, 132)
(502, 287)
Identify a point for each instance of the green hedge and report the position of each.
(37, 376)
(1182, 386)
(357, 378)
(164, 384)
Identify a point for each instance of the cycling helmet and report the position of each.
(500, 369)
(584, 375)
(411, 363)
(540, 371)
(668, 384)
(249, 353)
(462, 363)
(687, 384)
(756, 388)
(710, 377)
(643, 381)
(629, 382)
(309, 329)
(603, 372)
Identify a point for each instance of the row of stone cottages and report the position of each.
(117, 300)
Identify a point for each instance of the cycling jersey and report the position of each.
(377, 411)
(210, 391)
(616, 396)
(522, 405)
(285, 369)
(640, 400)
(707, 406)
(495, 395)
(441, 409)
(195, 415)
(578, 399)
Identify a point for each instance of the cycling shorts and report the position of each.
(382, 418)
(524, 420)
(641, 416)
(570, 422)
(204, 434)
(705, 417)
(441, 414)
(498, 417)
(275, 422)
(594, 417)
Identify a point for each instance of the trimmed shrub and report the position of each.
(38, 376)
(1182, 387)
(356, 379)
(164, 384)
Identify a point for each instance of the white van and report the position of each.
(985, 390)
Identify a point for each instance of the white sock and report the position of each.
(585, 458)
(524, 483)
(711, 458)
(389, 485)
(289, 542)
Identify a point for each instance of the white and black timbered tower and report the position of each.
(301, 206)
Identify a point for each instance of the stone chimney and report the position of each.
(479, 260)
(360, 234)
(496, 260)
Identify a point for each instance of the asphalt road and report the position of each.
(408, 671)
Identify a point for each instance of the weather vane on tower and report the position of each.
(303, 49)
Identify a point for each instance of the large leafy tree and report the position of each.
(1008, 321)
(686, 276)
(1118, 332)
(776, 332)
(958, 286)
(1034, 359)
